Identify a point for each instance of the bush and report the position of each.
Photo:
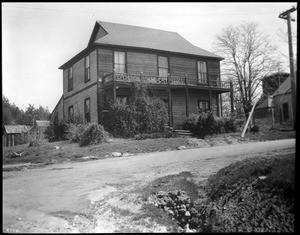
(93, 134)
(144, 114)
(75, 131)
(206, 123)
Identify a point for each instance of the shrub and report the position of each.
(74, 132)
(144, 114)
(206, 123)
(93, 134)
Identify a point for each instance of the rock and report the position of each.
(181, 147)
(125, 155)
(187, 214)
(171, 212)
(90, 157)
(116, 154)
(57, 147)
(262, 177)
(19, 219)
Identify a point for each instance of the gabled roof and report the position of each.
(148, 38)
(15, 129)
(284, 88)
(43, 123)
(113, 34)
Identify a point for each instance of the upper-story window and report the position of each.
(70, 113)
(87, 69)
(87, 110)
(119, 62)
(202, 72)
(163, 66)
(70, 79)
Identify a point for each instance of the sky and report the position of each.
(37, 38)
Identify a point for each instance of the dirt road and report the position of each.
(100, 196)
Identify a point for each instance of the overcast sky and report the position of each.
(37, 38)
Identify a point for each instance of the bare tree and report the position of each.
(249, 56)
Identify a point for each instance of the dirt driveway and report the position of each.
(100, 196)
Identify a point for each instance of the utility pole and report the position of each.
(287, 16)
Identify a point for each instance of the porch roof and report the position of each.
(16, 129)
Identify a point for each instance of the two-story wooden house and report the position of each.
(186, 77)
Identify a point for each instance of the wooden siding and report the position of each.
(78, 103)
(141, 62)
(178, 107)
(78, 74)
(105, 60)
(181, 66)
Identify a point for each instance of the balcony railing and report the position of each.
(158, 80)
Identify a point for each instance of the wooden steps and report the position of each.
(183, 132)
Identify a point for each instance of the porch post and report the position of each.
(170, 103)
(186, 97)
(231, 97)
(210, 98)
(114, 87)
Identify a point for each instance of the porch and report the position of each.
(181, 94)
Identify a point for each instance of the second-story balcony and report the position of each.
(159, 80)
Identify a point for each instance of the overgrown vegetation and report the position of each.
(93, 134)
(143, 115)
(206, 123)
(252, 195)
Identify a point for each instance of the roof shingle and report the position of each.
(141, 37)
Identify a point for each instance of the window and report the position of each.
(87, 69)
(163, 66)
(123, 99)
(70, 113)
(202, 72)
(70, 79)
(285, 111)
(119, 62)
(203, 105)
(87, 110)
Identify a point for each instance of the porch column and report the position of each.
(231, 97)
(186, 97)
(210, 97)
(114, 87)
(170, 103)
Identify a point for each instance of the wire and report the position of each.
(122, 13)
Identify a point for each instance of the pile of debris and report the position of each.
(176, 203)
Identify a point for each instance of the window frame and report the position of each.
(125, 62)
(203, 101)
(87, 75)
(70, 115)
(202, 75)
(87, 118)
(70, 78)
(160, 67)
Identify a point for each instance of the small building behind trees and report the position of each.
(14, 135)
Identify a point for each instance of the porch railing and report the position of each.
(169, 80)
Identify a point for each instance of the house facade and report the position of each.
(185, 77)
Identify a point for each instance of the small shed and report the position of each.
(14, 134)
(282, 99)
(39, 129)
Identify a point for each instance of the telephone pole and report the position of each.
(287, 16)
